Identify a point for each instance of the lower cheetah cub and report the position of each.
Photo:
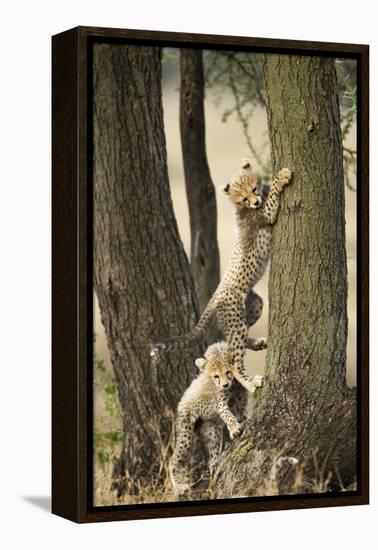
(214, 398)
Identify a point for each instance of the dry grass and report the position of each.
(105, 496)
(160, 489)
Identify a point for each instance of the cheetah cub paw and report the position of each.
(257, 382)
(236, 430)
(284, 177)
(260, 343)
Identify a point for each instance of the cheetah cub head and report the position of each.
(244, 188)
(216, 365)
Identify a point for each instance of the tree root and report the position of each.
(306, 457)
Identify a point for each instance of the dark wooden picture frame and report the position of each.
(72, 332)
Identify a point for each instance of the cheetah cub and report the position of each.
(213, 398)
(234, 303)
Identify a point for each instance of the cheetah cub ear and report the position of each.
(200, 363)
(225, 188)
(246, 166)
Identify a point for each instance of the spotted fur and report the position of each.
(234, 303)
(215, 399)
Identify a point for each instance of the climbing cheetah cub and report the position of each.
(236, 306)
(212, 399)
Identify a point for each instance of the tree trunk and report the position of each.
(305, 409)
(200, 192)
(141, 273)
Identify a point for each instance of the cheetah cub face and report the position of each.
(244, 187)
(217, 368)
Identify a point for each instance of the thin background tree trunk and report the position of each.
(141, 273)
(200, 191)
(305, 409)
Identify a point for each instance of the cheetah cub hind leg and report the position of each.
(212, 435)
(256, 344)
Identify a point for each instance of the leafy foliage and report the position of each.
(107, 437)
(346, 77)
(241, 75)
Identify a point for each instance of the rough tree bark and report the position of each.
(305, 409)
(204, 257)
(141, 273)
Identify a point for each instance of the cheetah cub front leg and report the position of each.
(234, 427)
(269, 209)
